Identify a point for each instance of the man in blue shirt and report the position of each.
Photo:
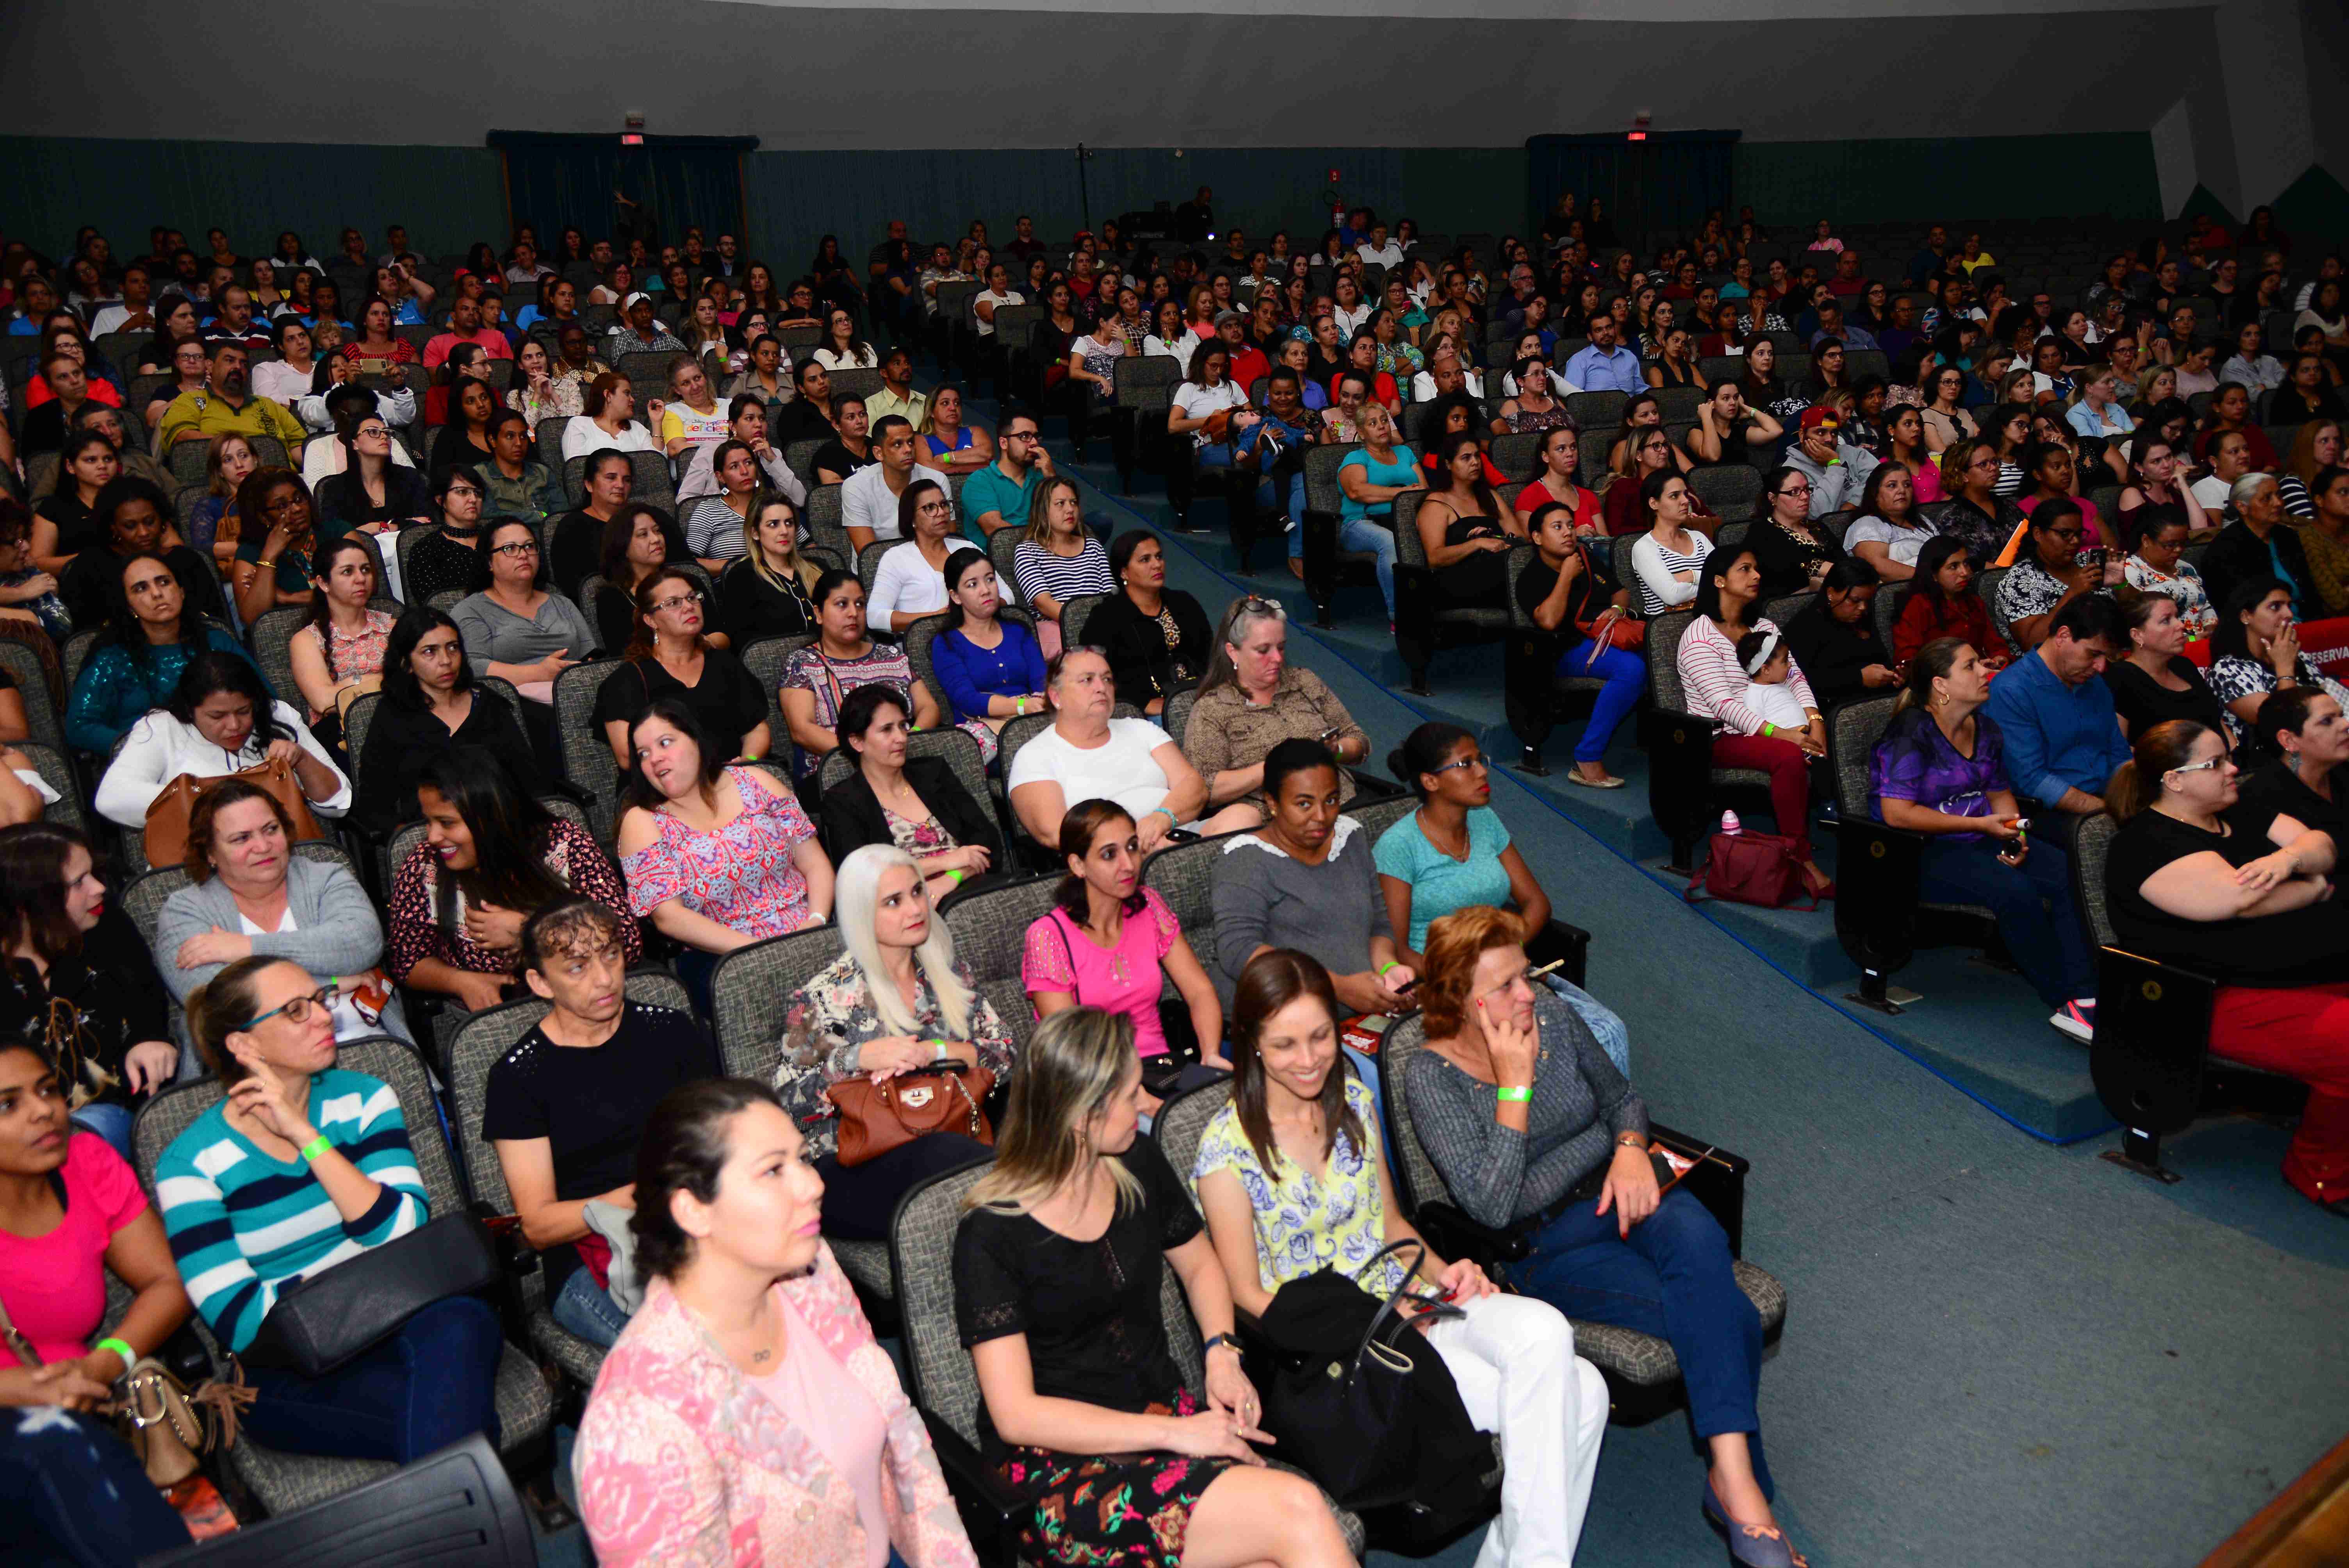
(1605, 365)
(2062, 739)
(998, 495)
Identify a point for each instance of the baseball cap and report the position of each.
(1818, 415)
(630, 302)
(1224, 316)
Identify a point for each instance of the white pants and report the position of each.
(1513, 1359)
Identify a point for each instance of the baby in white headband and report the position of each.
(1765, 661)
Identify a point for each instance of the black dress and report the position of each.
(2143, 702)
(402, 741)
(750, 608)
(577, 552)
(77, 526)
(1478, 581)
(1091, 1313)
(1151, 656)
(728, 702)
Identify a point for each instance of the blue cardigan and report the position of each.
(116, 689)
(971, 674)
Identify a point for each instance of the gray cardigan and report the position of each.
(490, 631)
(339, 931)
(1581, 1104)
(1264, 898)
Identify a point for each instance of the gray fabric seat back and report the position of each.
(990, 935)
(750, 994)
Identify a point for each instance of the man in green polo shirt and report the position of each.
(224, 405)
(997, 496)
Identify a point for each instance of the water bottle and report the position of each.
(1730, 824)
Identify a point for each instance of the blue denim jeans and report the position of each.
(1367, 1069)
(429, 1385)
(72, 1494)
(1671, 1278)
(1614, 1038)
(1626, 674)
(1363, 536)
(2034, 905)
(584, 1308)
(109, 1121)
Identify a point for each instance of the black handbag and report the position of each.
(1361, 1402)
(332, 1317)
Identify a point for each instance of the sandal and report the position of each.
(1750, 1545)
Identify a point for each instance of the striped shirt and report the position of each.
(244, 1226)
(1064, 577)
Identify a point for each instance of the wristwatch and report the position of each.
(1226, 1340)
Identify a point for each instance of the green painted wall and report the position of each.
(50, 186)
(1889, 179)
(451, 196)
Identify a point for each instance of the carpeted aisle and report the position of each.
(1996, 1349)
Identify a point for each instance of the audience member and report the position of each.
(897, 1001)
(77, 982)
(1058, 560)
(2304, 727)
(1939, 771)
(304, 1166)
(2255, 652)
(991, 668)
(1569, 592)
(768, 591)
(1726, 595)
(1368, 480)
(131, 516)
(1133, 949)
(1291, 1177)
(1837, 469)
(1834, 638)
(2062, 734)
(817, 679)
(724, 1222)
(909, 585)
(913, 803)
(2155, 682)
(2196, 879)
(1003, 492)
(491, 858)
(1156, 639)
(338, 653)
(2054, 571)
(566, 1108)
(607, 420)
(225, 403)
(515, 627)
(1252, 699)
(1670, 554)
(1567, 1126)
(2257, 544)
(431, 706)
(135, 664)
(1087, 755)
(871, 501)
(1794, 556)
(75, 1219)
(668, 659)
(1061, 1253)
(221, 719)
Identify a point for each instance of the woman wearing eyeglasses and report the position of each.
(301, 1167)
(373, 493)
(669, 657)
(515, 627)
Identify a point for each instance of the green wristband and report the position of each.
(129, 1357)
(1390, 963)
(316, 1147)
(1508, 1095)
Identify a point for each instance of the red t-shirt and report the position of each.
(54, 1285)
(1585, 504)
(1249, 365)
(493, 343)
(1382, 388)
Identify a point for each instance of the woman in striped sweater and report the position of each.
(300, 1168)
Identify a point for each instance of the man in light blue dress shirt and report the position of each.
(1605, 365)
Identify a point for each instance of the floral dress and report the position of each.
(1337, 1220)
(831, 1016)
(739, 875)
(2234, 676)
(416, 932)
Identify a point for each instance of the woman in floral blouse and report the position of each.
(718, 856)
(491, 857)
(895, 1002)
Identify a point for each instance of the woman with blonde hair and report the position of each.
(897, 1002)
(770, 591)
(1062, 1256)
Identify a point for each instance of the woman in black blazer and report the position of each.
(915, 803)
(1157, 638)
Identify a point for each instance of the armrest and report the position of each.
(577, 794)
(1717, 1182)
(976, 1488)
(1452, 1233)
(2153, 1038)
(186, 1354)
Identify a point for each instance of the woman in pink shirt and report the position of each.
(1109, 942)
(70, 1210)
(746, 1416)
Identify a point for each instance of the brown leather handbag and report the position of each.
(169, 815)
(875, 1117)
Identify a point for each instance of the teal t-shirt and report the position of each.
(988, 490)
(1403, 471)
(1440, 884)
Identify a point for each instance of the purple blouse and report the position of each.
(1916, 762)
